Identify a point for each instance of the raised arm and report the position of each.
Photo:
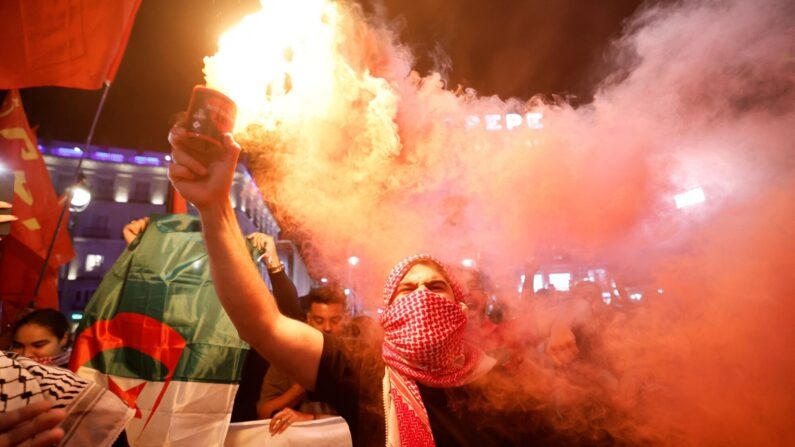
(284, 290)
(291, 346)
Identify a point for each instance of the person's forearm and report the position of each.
(238, 284)
(291, 346)
(292, 396)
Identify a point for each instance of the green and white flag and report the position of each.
(155, 334)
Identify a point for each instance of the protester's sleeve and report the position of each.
(286, 295)
(338, 380)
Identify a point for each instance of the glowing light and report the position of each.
(690, 198)
(353, 260)
(94, 262)
(538, 282)
(494, 121)
(72, 275)
(534, 120)
(77, 317)
(146, 160)
(468, 263)
(324, 280)
(561, 281)
(122, 194)
(636, 296)
(168, 157)
(347, 292)
(159, 191)
(158, 198)
(108, 156)
(67, 152)
(513, 120)
(522, 280)
(81, 197)
(282, 63)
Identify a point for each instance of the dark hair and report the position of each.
(325, 295)
(51, 319)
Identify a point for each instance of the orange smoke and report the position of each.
(361, 156)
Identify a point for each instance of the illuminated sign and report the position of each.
(146, 160)
(108, 156)
(67, 152)
(509, 121)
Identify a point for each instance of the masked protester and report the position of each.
(424, 325)
(424, 371)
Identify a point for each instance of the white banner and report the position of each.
(328, 432)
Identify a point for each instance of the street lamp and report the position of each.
(80, 195)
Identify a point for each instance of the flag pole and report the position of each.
(68, 196)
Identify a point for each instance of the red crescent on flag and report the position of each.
(131, 330)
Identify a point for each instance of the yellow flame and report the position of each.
(282, 65)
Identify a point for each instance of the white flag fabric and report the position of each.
(191, 413)
(328, 432)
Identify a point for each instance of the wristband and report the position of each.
(271, 269)
(276, 269)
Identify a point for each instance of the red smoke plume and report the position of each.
(366, 158)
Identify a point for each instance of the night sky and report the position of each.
(510, 48)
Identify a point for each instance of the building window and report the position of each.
(103, 188)
(94, 262)
(98, 228)
(141, 192)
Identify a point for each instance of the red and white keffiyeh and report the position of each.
(61, 359)
(423, 342)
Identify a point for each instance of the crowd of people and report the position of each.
(402, 377)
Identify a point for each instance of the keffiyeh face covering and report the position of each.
(61, 359)
(423, 342)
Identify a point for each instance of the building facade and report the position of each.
(126, 185)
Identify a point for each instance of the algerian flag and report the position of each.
(155, 334)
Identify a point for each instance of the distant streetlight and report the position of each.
(690, 198)
(80, 195)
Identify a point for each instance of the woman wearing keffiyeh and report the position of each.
(43, 335)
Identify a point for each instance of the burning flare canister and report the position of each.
(210, 115)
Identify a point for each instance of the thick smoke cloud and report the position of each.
(368, 158)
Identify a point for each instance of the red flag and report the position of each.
(68, 43)
(37, 207)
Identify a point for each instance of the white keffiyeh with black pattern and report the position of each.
(95, 416)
